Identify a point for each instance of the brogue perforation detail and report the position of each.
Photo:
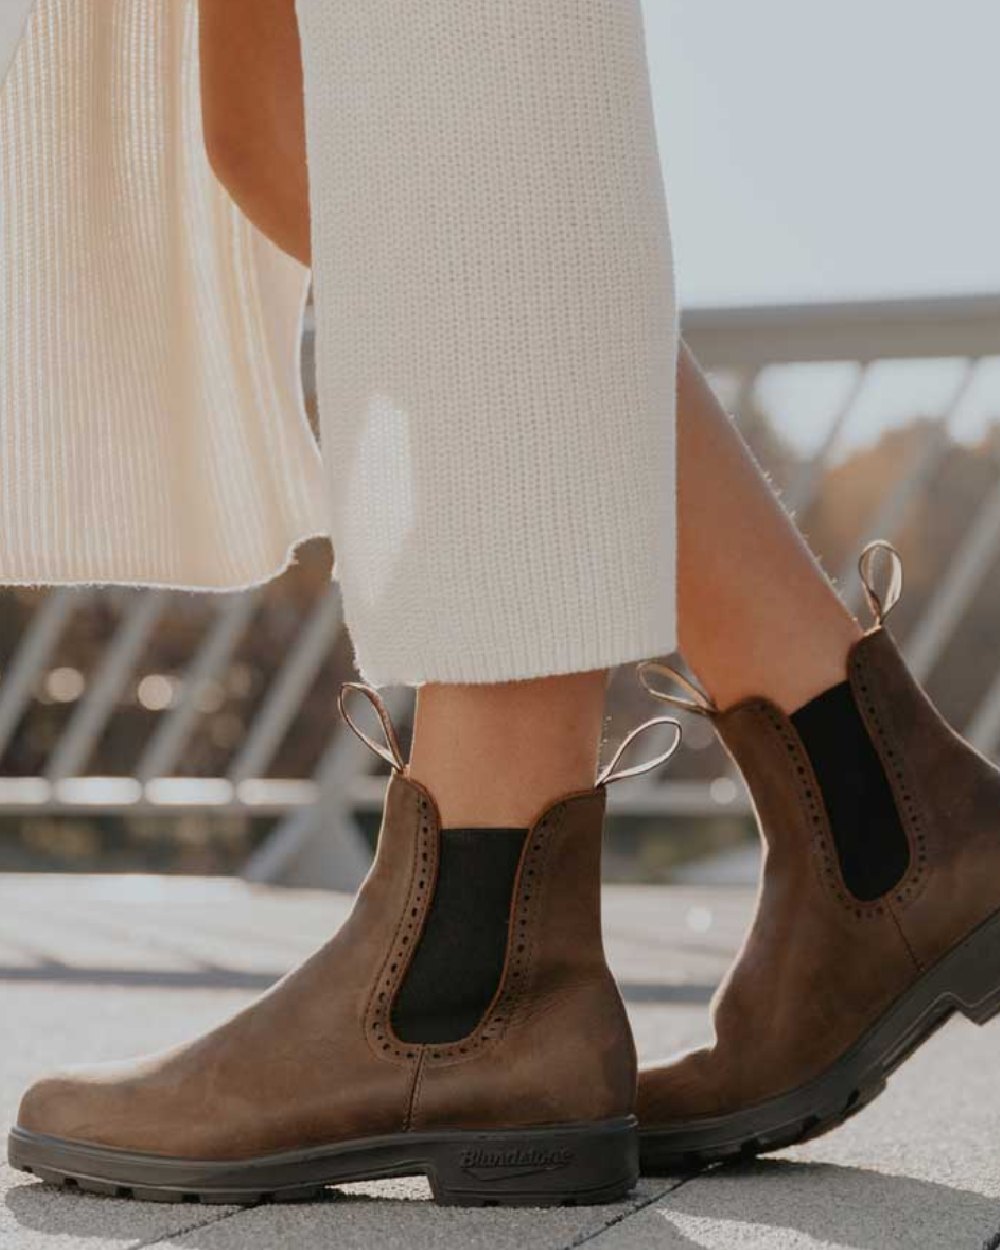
(822, 838)
(515, 977)
(909, 808)
(381, 1035)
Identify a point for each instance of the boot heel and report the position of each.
(976, 972)
(571, 1165)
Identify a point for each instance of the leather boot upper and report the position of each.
(818, 966)
(314, 1060)
(948, 798)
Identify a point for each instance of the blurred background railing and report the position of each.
(157, 730)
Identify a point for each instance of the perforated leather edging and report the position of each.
(423, 874)
(903, 789)
(824, 847)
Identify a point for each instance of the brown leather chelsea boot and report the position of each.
(831, 991)
(313, 1083)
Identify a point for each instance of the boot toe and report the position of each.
(81, 1103)
(52, 1104)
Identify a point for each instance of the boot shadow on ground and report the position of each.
(771, 1202)
(67, 1213)
(396, 1212)
(823, 1203)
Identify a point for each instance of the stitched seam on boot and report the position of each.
(918, 963)
(879, 721)
(415, 1087)
(522, 993)
(823, 845)
(510, 992)
(382, 1040)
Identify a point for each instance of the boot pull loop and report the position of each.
(881, 604)
(607, 774)
(391, 753)
(700, 704)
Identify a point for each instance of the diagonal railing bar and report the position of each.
(923, 463)
(975, 556)
(288, 689)
(173, 731)
(330, 825)
(807, 482)
(39, 641)
(94, 709)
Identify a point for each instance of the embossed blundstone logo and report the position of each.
(495, 1165)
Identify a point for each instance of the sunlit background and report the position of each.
(829, 152)
(835, 157)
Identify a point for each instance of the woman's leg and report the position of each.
(757, 616)
(756, 613)
(495, 754)
(491, 754)
(252, 114)
(740, 558)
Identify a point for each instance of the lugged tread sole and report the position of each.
(966, 980)
(567, 1165)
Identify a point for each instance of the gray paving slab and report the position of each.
(401, 1217)
(94, 968)
(918, 1170)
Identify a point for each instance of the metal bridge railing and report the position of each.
(315, 836)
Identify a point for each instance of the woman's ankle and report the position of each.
(495, 755)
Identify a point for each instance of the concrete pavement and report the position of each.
(100, 967)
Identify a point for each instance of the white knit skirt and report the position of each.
(496, 328)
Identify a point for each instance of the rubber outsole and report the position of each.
(569, 1165)
(966, 980)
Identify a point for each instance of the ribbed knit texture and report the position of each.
(151, 420)
(496, 329)
(496, 333)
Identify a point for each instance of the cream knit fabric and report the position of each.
(496, 329)
(151, 426)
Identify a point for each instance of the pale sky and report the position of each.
(829, 151)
